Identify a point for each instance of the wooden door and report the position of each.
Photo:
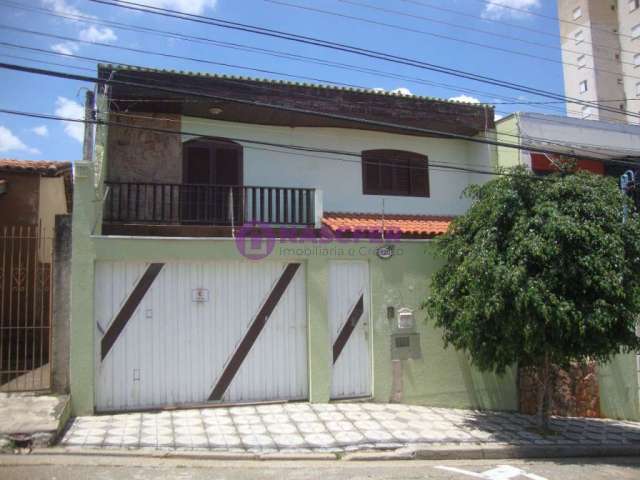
(212, 171)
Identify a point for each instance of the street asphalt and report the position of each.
(70, 467)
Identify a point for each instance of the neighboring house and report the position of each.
(617, 145)
(594, 140)
(601, 55)
(175, 302)
(32, 194)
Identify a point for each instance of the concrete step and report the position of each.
(31, 420)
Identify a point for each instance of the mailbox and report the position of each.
(405, 340)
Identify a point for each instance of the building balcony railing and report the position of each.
(215, 205)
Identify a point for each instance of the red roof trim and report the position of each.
(540, 163)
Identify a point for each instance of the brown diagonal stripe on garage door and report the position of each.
(252, 334)
(348, 328)
(129, 307)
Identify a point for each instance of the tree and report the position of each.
(540, 271)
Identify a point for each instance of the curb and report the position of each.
(415, 452)
(504, 452)
(181, 454)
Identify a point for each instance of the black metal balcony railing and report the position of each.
(175, 204)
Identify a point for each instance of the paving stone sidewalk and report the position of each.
(336, 427)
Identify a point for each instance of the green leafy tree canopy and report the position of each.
(540, 270)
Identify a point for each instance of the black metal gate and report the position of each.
(25, 308)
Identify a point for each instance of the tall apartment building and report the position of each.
(601, 55)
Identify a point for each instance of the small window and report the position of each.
(587, 112)
(577, 13)
(395, 172)
(582, 61)
(638, 89)
(635, 32)
(634, 5)
(636, 59)
(579, 37)
(583, 86)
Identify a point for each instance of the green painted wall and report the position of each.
(508, 157)
(441, 378)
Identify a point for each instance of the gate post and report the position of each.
(61, 298)
(320, 359)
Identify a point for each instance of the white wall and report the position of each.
(340, 177)
(617, 139)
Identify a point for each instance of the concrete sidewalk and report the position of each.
(301, 428)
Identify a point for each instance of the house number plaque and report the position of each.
(199, 295)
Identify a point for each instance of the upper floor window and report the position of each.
(636, 59)
(582, 61)
(577, 13)
(635, 31)
(638, 89)
(634, 5)
(579, 37)
(395, 172)
(583, 86)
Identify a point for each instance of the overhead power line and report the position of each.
(354, 50)
(514, 25)
(226, 80)
(257, 144)
(278, 54)
(439, 35)
(40, 61)
(583, 147)
(261, 145)
(166, 55)
(263, 51)
(542, 15)
(160, 87)
(493, 33)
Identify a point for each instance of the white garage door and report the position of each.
(188, 333)
(350, 329)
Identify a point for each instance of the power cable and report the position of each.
(472, 29)
(514, 25)
(382, 124)
(275, 53)
(351, 49)
(541, 15)
(441, 36)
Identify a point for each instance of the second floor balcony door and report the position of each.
(211, 170)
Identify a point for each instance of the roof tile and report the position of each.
(424, 226)
(39, 167)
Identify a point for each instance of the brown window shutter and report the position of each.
(419, 176)
(395, 172)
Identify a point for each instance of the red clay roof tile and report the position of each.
(408, 225)
(39, 167)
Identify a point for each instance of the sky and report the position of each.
(427, 30)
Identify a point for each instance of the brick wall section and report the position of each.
(575, 393)
(136, 155)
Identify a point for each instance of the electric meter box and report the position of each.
(405, 340)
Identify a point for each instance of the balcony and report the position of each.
(171, 209)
